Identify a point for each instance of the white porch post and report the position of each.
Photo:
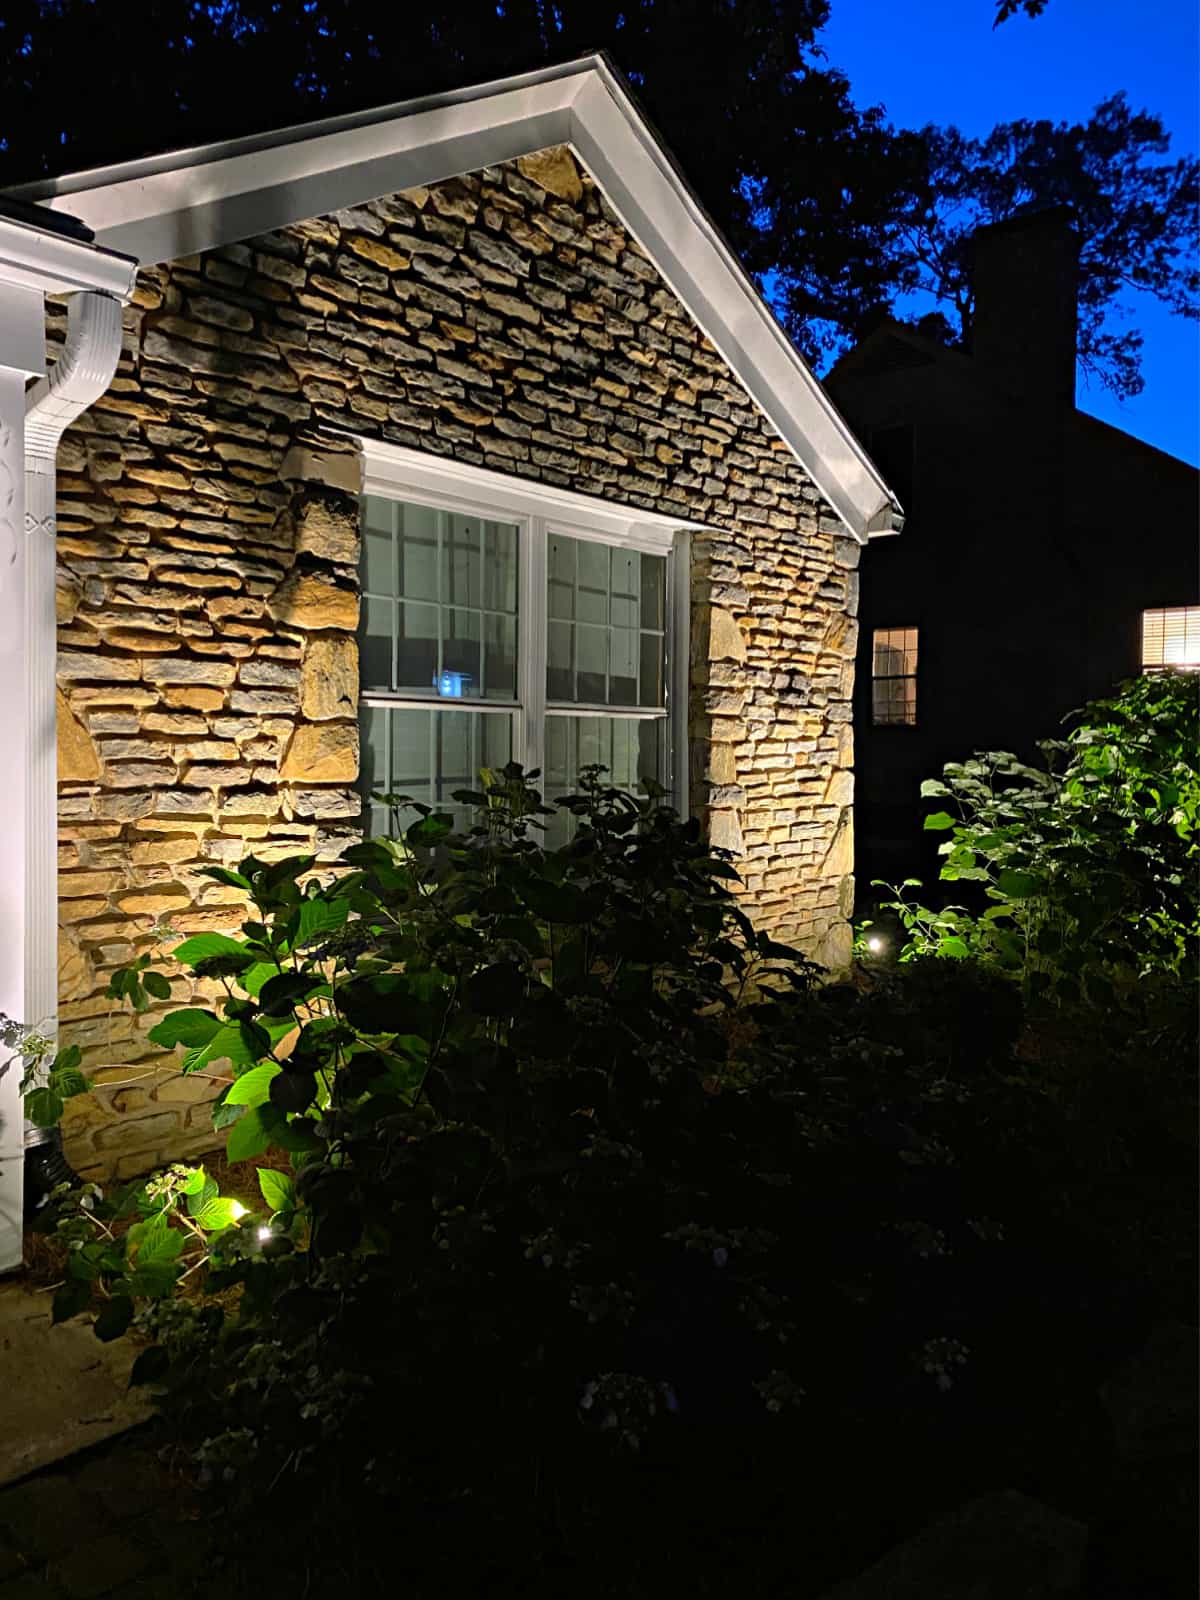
(14, 708)
(34, 262)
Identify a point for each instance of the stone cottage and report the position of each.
(436, 435)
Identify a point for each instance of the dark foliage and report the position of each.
(839, 214)
(597, 1276)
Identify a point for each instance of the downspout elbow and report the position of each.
(82, 373)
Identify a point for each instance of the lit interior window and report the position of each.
(1171, 639)
(894, 677)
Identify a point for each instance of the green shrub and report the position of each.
(1086, 866)
(433, 976)
(592, 1230)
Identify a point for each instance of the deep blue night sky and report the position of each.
(940, 61)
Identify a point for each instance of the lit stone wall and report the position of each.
(208, 546)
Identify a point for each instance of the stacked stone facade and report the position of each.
(208, 551)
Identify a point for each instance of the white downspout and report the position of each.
(82, 373)
(80, 376)
(34, 263)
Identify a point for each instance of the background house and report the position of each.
(1045, 554)
(439, 434)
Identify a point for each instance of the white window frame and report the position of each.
(537, 511)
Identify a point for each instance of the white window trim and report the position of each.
(539, 510)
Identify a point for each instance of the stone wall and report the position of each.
(208, 545)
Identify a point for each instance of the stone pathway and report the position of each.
(107, 1525)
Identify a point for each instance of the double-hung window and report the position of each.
(894, 678)
(505, 621)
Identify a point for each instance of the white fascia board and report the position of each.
(641, 185)
(167, 207)
(395, 471)
(34, 258)
(217, 194)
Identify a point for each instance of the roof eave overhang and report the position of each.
(166, 207)
(38, 258)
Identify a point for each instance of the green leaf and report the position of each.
(937, 820)
(278, 1189)
(43, 1108)
(933, 788)
(192, 1028)
(523, 931)
(321, 916)
(429, 831)
(154, 1241)
(255, 977)
(154, 983)
(68, 1082)
(281, 994)
(202, 946)
(1018, 885)
(153, 1280)
(67, 1059)
(555, 902)
(293, 1091)
(253, 1088)
(297, 1137)
(256, 1131)
(197, 1199)
(70, 1299)
(219, 1213)
(114, 1318)
(955, 948)
(225, 875)
(235, 1042)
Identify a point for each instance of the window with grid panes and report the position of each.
(894, 677)
(455, 678)
(438, 635)
(1171, 639)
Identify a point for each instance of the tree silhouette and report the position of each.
(838, 214)
(1135, 214)
(1009, 8)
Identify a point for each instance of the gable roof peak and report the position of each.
(176, 204)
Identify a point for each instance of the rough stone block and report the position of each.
(308, 602)
(322, 753)
(77, 758)
(329, 678)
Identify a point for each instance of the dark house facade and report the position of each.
(1046, 556)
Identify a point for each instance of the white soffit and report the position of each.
(191, 200)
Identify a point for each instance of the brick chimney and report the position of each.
(1025, 274)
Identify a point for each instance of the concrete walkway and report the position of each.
(61, 1390)
(106, 1525)
(86, 1511)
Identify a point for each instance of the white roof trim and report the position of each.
(191, 200)
(36, 258)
